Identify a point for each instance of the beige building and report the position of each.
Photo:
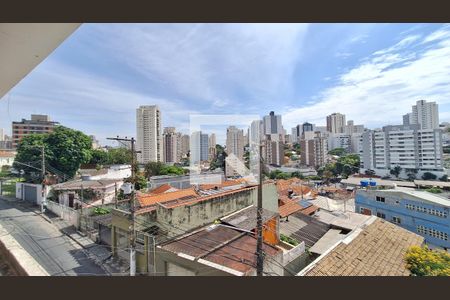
(313, 149)
(335, 123)
(273, 150)
(184, 145)
(148, 134)
(212, 146)
(171, 145)
(37, 125)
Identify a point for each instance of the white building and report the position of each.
(425, 114)
(148, 134)
(406, 146)
(335, 123)
(199, 147)
(272, 124)
(351, 128)
(339, 140)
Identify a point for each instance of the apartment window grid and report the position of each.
(430, 211)
(432, 232)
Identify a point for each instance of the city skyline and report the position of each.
(375, 62)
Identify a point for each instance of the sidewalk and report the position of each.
(100, 254)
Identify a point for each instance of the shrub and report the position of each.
(422, 261)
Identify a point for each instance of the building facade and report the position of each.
(425, 114)
(335, 122)
(420, 212)
(272, 124)
(199, 147)
(149, 134)
(37, 125)
(171, 145)
(406, 146)
(313, 149)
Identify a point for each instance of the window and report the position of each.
(381, 215)
(396, 220)
(432, 232)
(380, 199)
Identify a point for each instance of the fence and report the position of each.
(64, 212)
(8, 187)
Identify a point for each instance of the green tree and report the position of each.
(444, 178)
(99, 157)
(411, 174)
(422, 261)
(428, 176)
(140, 182)
(396, 171)
(298, 175)
(65, 150)
(338, 152)
(119, 156)
(219, 160)
(153, 168)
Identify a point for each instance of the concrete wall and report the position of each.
(70, 215)
(177, 220)
(20, 191)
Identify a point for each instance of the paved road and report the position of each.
(57, 254)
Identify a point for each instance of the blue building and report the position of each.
(421, 212)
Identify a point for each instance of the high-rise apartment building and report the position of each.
(37, 125)
(426, 114)
(339, 140)
(185, 143)
(313, 149)
(148, 134)
(351, 128)
(273, 150)
(256, 133)
(235, 142)
(406, 146)
(212, 146)
(407, 119)
(335, 123)
(199, 147)
(171, 145)
(2, 135)
(272, 124)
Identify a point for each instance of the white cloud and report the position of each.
(378, 91)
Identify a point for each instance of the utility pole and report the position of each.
(81, 207)
(259, 239)
(115, 194)
(132, 232)
(43, 178)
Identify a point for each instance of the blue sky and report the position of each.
(373, 73)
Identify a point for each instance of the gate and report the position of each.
(30, 193)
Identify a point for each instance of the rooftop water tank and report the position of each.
(372, 183)
(364, 183)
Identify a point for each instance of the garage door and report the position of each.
(176, 270)
(30, 193)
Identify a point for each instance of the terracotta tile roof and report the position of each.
(7, 154)
(221, 245)
(294, 184)
(289, 207)
(223, 184)
(309, 210)
(188, 201)
(378, 250)
(150, 199)
(161, 189)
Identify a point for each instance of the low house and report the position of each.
(216, 250)
(164, 216)
(111, 172)
(377, 248)
(90, 192)
(6, 158)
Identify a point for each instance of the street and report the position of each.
(57, 254)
